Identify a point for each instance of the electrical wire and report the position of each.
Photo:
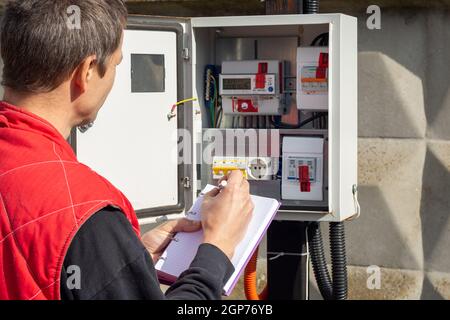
(172, 113)
(356, 204)
(311, 6)
(219, 118)
(218, 111)
(321, 40)
(250, 277)
(211, 95)
(214, 101)
(301, 124)
(335, 287)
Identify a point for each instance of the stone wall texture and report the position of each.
(404, 156)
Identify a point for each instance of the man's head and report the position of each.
(70, 47)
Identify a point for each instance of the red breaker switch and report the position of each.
(321, 71)
(261, 75)
(303, 174)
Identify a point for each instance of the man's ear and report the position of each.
(85, 72)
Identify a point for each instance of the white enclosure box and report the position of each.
(135, 144)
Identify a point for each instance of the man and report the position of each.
(58, 218)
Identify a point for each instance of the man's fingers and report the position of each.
(155, 256)
(245, 186)
(235, 177)
(214, 192)
(225, 177)
(182, 225)
(250, 206)
(186, 225)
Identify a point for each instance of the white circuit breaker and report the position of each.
(302, 169)
(253, 168)
(312, 78)
(252, 87)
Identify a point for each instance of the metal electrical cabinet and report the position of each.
(135, 140)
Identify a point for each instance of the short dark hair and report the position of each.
(40, 49)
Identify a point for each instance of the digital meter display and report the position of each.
(237, 84)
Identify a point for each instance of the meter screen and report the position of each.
(237, 84)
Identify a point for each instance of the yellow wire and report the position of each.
(186, 100)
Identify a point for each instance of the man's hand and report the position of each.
(158, 239)
(227, 213)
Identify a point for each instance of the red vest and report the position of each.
(45, 197)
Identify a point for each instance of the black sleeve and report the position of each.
(112, 263)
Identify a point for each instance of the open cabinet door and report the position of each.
(133, 143)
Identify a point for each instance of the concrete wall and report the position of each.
(404, 156)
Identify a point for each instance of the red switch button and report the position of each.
(261, 75)
(321, 71)
(303, 174)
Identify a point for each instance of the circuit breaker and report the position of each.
(312, 78)
(252, 87)
(253, 168)
(302, 169)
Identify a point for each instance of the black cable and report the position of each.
(318, 261)
(335, 288)
(219, 117)
(321, 40)
(301, 124)
(338, 260)
(311, 6)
